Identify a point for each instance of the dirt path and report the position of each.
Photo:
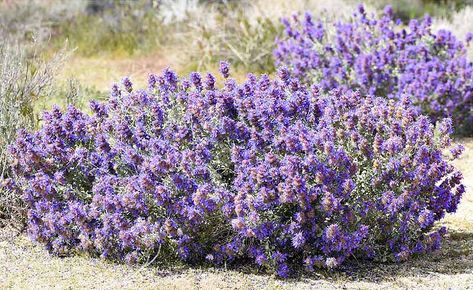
(24, 265)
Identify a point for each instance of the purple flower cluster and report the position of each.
(320, 178)
(133, 178)
(382, 57)
(267, 170)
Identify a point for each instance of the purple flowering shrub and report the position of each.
(381, 57)
(319, 179)
(268, 171)
(127, 182)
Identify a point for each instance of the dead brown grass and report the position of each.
(24, 265)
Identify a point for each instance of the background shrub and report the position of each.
(379, 56)
(268, 170)
(245, 42)
(118, 27)
(407, 10)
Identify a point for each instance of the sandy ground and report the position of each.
(24, 265)
(101, 72)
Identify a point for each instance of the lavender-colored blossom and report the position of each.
(378, 56)
(225, 69)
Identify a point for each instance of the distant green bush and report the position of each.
(408, 9)
(127, 28)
